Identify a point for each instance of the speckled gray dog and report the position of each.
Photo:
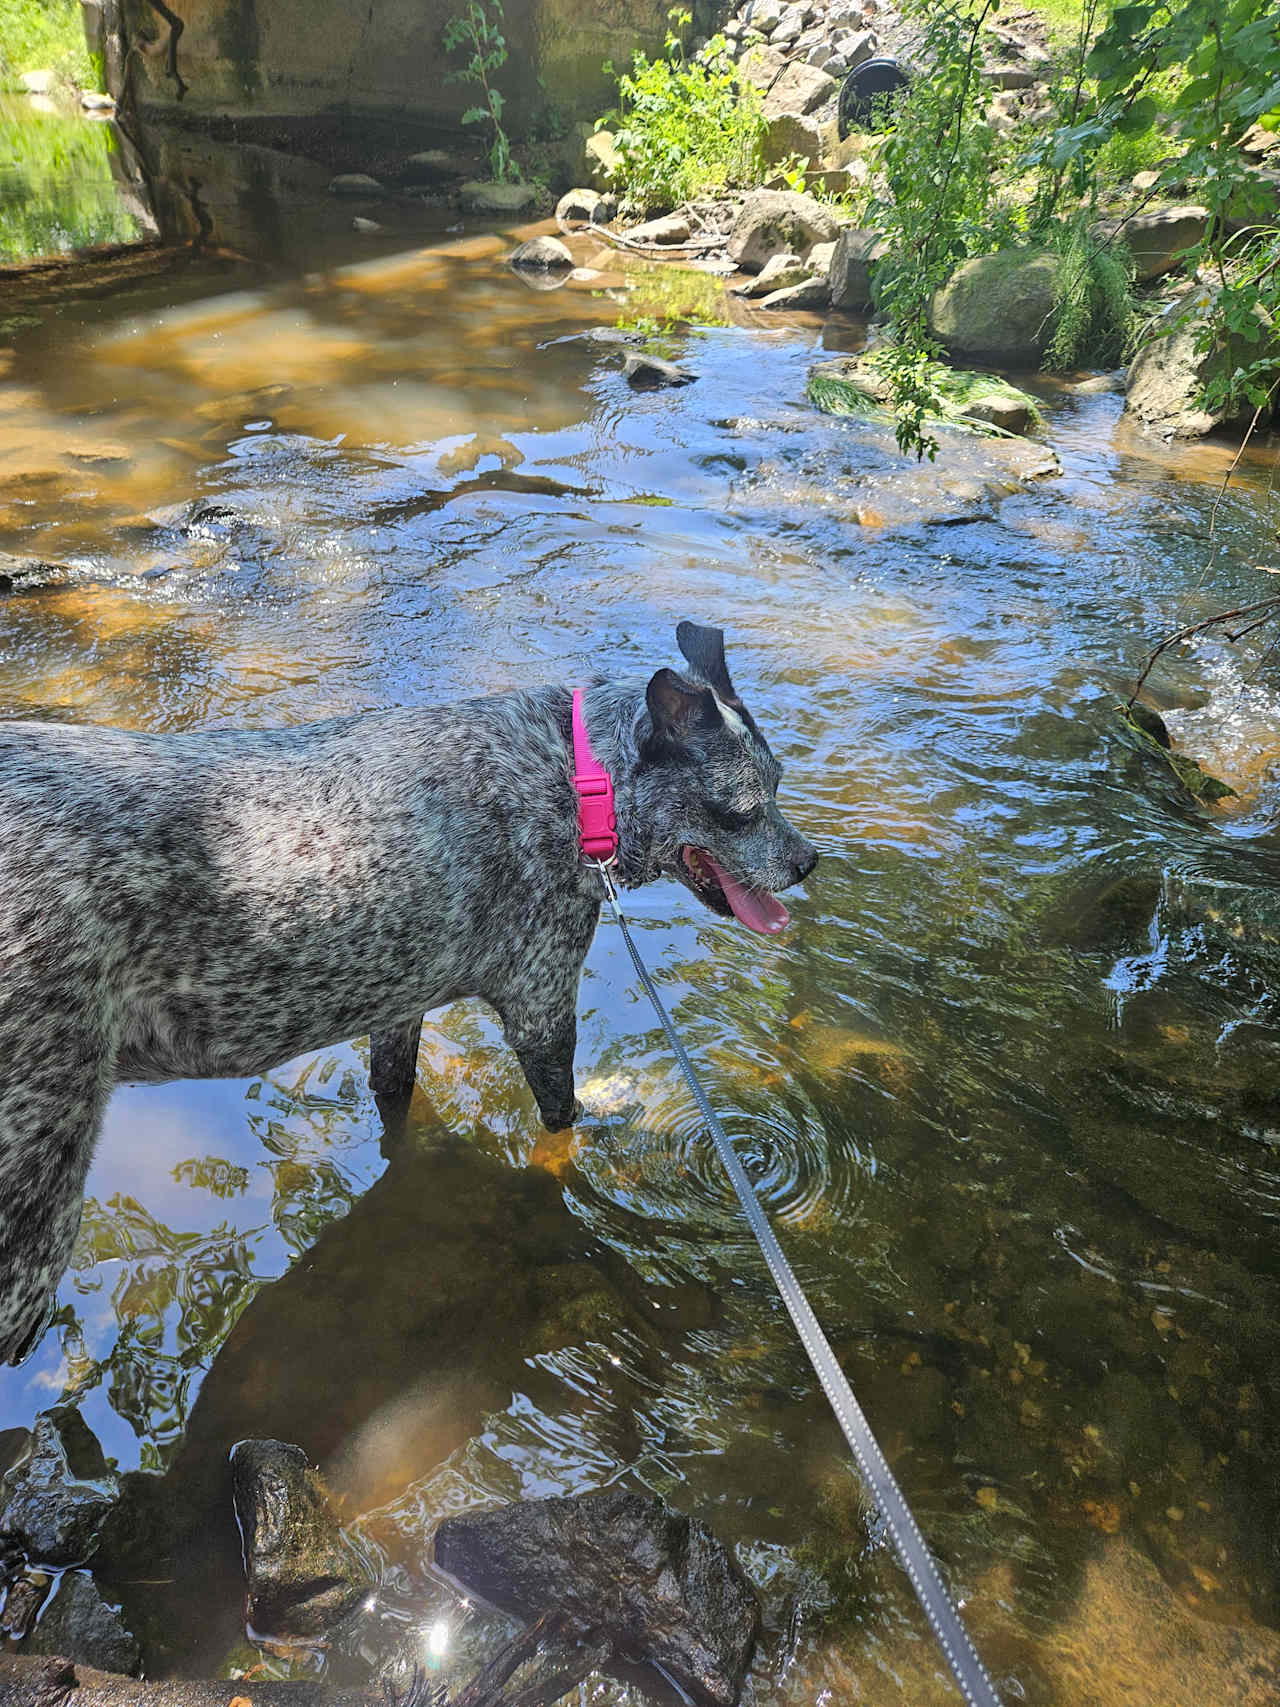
(182, 906)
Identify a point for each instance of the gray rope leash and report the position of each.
(939, 1608)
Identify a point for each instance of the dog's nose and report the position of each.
(805, 865)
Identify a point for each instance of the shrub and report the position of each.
(684, 127)
(44, 35)
(1092, 299)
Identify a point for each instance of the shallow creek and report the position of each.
(1007, 1084)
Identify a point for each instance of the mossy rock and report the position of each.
(980, 402)
(998, 307)
(1207, 789)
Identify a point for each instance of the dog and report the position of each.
(212, 904)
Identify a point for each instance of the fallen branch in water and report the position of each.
(1259, 612)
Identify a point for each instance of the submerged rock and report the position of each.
(79, 1624)
(54, 1513)
(300, 1579)
(660, 1585)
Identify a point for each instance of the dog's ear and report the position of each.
(676, 708)
(704, 649)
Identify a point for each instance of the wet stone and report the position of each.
(80, 1625)
(54, 1514)
(659, 1585)
(22, 1602)
(651, 373)
(299, 1578)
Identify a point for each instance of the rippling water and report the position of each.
(1007, 1084)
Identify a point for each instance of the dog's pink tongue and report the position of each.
(751, 907)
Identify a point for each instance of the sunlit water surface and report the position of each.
(1007, 1084)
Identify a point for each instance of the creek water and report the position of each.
(1007, 1084)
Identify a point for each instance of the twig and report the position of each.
(1270, 606)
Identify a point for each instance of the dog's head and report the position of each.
(704, 792)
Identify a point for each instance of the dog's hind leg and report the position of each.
(52, 1095)
(393, 1061)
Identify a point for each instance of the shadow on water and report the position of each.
(1006, 1085)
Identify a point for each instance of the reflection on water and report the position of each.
(62, 183)
(1007, 1084)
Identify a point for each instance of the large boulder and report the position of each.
(300, 1579)
(998, 308)
(658, 1585)
(799, 89)
(1169, 372)
(547, 254)
(778, 221)
(1156, 239)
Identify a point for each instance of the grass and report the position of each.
(44, 35)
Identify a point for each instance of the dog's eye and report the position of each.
(727, 820)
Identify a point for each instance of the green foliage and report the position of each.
(938, 167)
(953, 396)
(1208, 71)
(57, 190)
(45, 35)
(684, 127)
(1092, 298)
(479, 28)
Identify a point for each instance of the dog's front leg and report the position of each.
(546, 1055)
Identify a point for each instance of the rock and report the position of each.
(92, 102)
(761, 66)
(777, 272)
(774, 220)
(1007, 76)
(788, 28)
(1168, 373)
(664, 1589)
(799, 89)
(29, 571)
(37, 82)
(1155, 239)
(55, 1512)
(22, 1602)
(650, 373)
(998, 308)
(547, 254)
(601, 157)
(763, 15)
(367, 227)
(857, 385)
(578, 207)
(299, 1578)
(1256, 141)
(480, 195)
(852, 268)
(790, 134)
(836, 66)
(78, 1624)
(355, 184)
(1144, 181)
(811, 293)
(669, 231)
(430, 167)
(855, 50)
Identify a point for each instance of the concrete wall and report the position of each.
(379, 56)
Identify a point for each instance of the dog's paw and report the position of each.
(557, 1121)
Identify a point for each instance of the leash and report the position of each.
(939, 1608)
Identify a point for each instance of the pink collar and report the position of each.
(597, 823)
